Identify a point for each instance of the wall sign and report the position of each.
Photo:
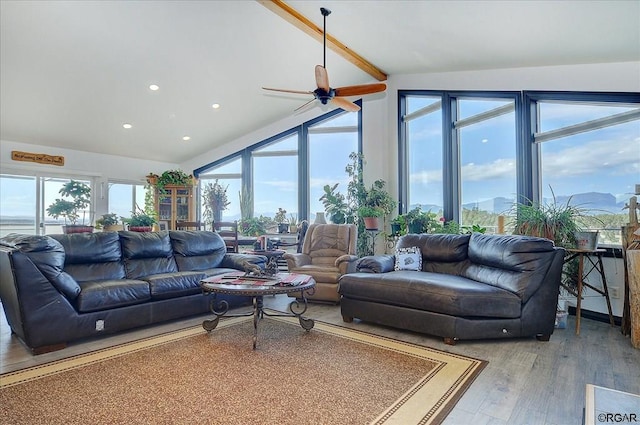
(40, 158)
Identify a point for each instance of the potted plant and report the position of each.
(215, 200)
(399, 225)
(335, 205)
(370, 216)
(80, 195)
(109, 223)
(141, 221)
(281, 219)
(419, 221)
(554, 221)
(293, 223)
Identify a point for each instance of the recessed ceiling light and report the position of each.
(127, 125)
(154, 87)
(215, 105)
(185, 138)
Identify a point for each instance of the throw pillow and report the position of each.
(409, 258)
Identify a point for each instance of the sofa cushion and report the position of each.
(436, 292)
(101, 295)
(197, 250)
(147, 253)
(92, 256)
(437, 247)
(516, 263)
(409, 258)
(172, 285)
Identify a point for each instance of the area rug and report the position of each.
(330, 375)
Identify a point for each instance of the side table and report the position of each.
(595, 264)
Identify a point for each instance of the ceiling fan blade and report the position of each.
(289, 91)
(360, 90)
(345, 104)
(322, 78)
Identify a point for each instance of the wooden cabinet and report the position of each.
(177, 203)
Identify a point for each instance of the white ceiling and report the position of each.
(73, 72)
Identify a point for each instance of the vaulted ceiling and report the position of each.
(72, 73)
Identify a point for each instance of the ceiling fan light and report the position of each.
(126, 125)
(154, 87)
(215, 106)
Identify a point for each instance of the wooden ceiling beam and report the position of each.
(294, 17)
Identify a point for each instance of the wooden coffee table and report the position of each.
(236, 283)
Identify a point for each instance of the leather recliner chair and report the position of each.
(328, 252)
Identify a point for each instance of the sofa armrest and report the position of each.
(376, 264)
(346, 263)
(297, 260)
(234, 261)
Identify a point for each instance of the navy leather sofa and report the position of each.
(59, 288)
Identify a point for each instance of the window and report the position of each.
(486, 132)
(125, 198)
(18, 204)
(275, 177)
(330, 143)
(467, 173)
(289, 170)
(582, 148)
(588, 149)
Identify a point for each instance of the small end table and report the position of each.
(596, 265)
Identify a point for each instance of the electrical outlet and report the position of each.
(614, 292)
(99, 325)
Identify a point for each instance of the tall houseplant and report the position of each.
(215, 200)
(80, 194)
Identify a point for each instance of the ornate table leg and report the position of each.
(219, 310)
(297, 310)
(257, 315)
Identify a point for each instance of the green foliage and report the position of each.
(554, 221)
(170, 177)
(377, 198)
(335, 205)
(107, 220)
(254, 226)
(280, 216)
(140, 218)
(246, 203)
(80, 195)
(367, 211)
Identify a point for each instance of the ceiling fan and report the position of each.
(336, 96)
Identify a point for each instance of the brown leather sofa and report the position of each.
(328, 252)
(60, 288)
(468, 287)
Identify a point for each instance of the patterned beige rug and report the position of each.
(330, 375)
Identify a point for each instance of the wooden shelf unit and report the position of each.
(177, 203)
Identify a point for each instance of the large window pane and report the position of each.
(17, 204)
(595, 169)
(488, 161)
(124, 197)
(424, 154)
(329, 155)
(275, 178)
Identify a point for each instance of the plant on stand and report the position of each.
(109, 223)
(281, 219)
(293, 223)
(214, 198)
(80, 194)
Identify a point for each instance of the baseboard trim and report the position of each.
(594, 315)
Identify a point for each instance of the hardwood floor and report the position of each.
(526, 381)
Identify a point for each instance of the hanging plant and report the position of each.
(169, 178)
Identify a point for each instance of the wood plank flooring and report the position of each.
(526, 381)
